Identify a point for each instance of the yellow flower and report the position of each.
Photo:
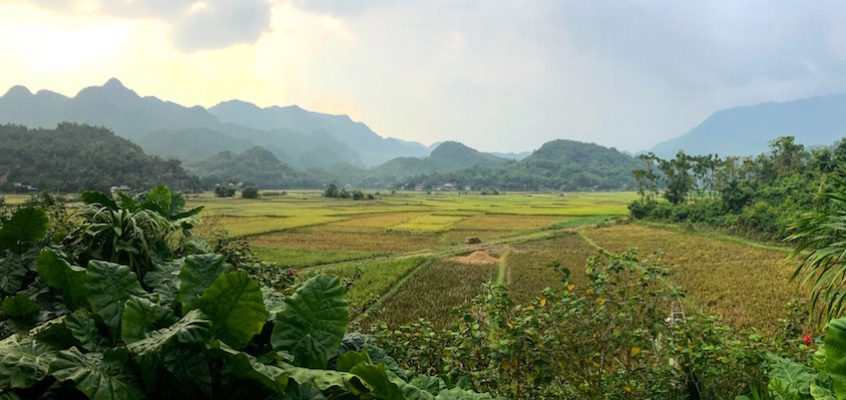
(635, 351)
(543, 301)
(570, 287)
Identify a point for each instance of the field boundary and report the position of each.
(394, 289)
(716, 235)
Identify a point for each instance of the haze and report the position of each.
(498, 76)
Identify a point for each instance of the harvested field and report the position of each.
(748, 286)
(433, 292)
(528, 269)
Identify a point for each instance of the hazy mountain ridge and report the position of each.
(290, 133)
(747, 130)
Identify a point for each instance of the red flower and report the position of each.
(807, 340)
(292, 272)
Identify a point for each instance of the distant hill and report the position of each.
(557, 165)
(71, 158)
(372, 148)
(447, 156)
(513, 156)
(300, 137)
(257, 166)
(747, 130)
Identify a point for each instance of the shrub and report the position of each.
(250, 192)
(224, 191)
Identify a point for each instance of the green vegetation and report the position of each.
(250, 192)
(756, 196)
(73, 157)
(129, 305)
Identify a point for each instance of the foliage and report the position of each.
(75, 157)
(224, 191)
(138, 318)
(606, 339)
(250, 192)
(757, 196)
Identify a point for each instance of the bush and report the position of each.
(250, 192)
(224, 191)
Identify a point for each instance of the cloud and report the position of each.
(193, 24)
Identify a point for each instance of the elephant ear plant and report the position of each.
(123, 308)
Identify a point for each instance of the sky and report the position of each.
(497, 75)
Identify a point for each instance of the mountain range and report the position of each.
(747, 130)
(299, 137)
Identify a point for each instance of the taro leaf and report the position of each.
(273, 301)
(23, 362)
(84, 330)
(461, 394)
(98, 198)
(158, 199)
(431, 384)
(9, 396)
(821, 393)
(197, 274)
(141, 316)
(100, 376)
(788, 378)
(20, 306)
(835, 356)
(234, 303)
(350, 359)
(311, 322)
(127, 202)
(109, 286)
(304, 392)
(386, 385)
(237, 363)
(26, 225)
(68, 279)
(326, 379)
(189, 365)
(162, 279)
(12, 273)
(192, 329)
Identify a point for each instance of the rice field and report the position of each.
(410, 255)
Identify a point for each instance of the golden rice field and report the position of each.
(408, 257)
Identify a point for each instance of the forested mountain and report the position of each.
(557, 165)
(257, 166)
(448, 156)
(742, 131)
(74, 157)
(372, 148)
(301, 138)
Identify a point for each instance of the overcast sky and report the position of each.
(496, 75)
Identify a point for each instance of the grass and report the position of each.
(748, 286)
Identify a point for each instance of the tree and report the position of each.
(331, 191)
(224, 191)
(250, 192)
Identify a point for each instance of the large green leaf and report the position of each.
(385, 385)
(163, 278)
(461, 394)
(326, 379)
(12, 273)
(234, 303)
(89, 197)
(237, 363)
(26, 225)
(23, 362)
(141, 317)
(197, 274)
(84, 329)
(99, 376)
(192, 329)
(835, 356)
(109, 286)
(311, 323)
(20, 306)
(789, 379)
(158, 199)
(59, 274)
